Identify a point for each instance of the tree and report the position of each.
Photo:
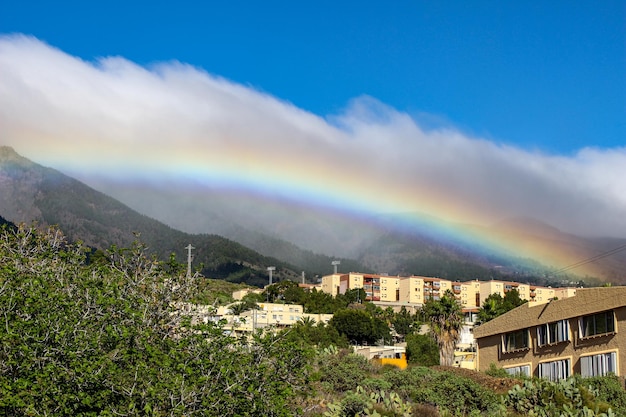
(492, 308)
(285, 291)
(421, 349)
(241, 307)
(359, 326)
(354, 296)
(109, 338)
(495, 305)
(403, 322)
(306, 332)
(446, 319)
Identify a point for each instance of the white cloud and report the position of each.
(115, 118)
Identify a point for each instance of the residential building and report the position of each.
(384, 355)
(541, 295)
(584, 334)
(377, 287)
(240, 294)
(470, 294)
(389, 289)
(331, 284)
(502, 287)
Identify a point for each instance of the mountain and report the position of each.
(294, 237)
(33, 193)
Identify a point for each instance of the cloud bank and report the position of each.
(172, 123)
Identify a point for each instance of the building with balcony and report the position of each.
(416, 290)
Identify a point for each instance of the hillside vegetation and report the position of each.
(106, 336)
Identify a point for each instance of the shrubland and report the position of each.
(106, 336)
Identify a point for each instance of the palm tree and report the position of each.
(237, 308)
(306, 321)
(446, 320)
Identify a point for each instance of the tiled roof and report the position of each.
(586, 301)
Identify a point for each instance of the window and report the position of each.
(555, 332)
(555, 370)
(513, 341)
(597, 324)
(598, 365)
(519, 370)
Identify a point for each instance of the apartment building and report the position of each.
(470, 294)
(419, 289)
(331, 284)
(502, 287)
(416, 290)
(584, 334)
(268, 315)
(377, 287)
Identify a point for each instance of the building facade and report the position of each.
(584, 334)
(416, 290)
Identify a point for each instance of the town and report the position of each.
(556, 333)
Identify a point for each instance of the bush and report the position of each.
(422, 350)
(344, 371)
(571, 397)
(496, 372)
(608, 389)
(458, 395)
(106, 338)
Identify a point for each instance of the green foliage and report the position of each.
(319, 302)
(403, 322)
(458, 395)
(422, 350)
(445, 318)
(307, 333)
(364, 402)
(495, 305)
(496, 372)
(609, 389)
(542, 398)
(360, 327)
(344, 371)
(106, 338)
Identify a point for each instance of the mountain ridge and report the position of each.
(385, 244)
(33, 193)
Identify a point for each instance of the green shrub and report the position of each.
(608, 389)
(496, 372)
(572, 397)
(344, 372)
(458, 395)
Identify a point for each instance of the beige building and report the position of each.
(240, 294)
(470, 294)
(584, 334)
(398, 291)
(377, 287)
(331, 284)
(268, 315)
(389, 289)
(502, 287)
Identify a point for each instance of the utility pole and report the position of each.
(189, 259)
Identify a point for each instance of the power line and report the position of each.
(590, 260)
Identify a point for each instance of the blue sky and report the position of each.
(547, 76)
(472, 112)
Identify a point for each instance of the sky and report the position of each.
(473, 111)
